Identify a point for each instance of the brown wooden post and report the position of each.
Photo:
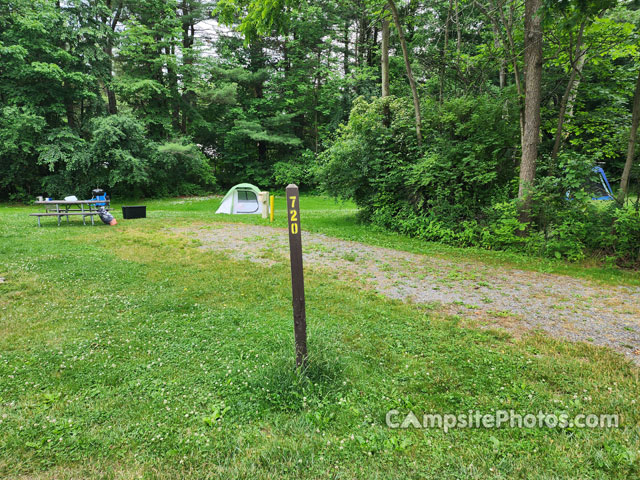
(297, 276)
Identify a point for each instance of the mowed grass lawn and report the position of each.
(128, 352)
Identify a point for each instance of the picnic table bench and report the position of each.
(65, 208)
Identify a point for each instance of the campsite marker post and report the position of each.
(297, 277)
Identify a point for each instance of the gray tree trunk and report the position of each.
(112, 105)
(508, 25)
(384, 54)
(346, 49)
(533, 81)
(443, 55)
(570, 93)
(635, 120)
(407, 64)
(571, 102)
(496, 45)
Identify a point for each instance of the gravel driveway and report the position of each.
(562, 306)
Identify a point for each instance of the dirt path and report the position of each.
(562, 306)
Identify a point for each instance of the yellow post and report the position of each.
(271, 201)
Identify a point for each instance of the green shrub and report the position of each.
(367, 160)
(180, 168)
(466, 166)
(566, 240)
(460, 187)
(627, 236)
(300, 171)
(504, 229)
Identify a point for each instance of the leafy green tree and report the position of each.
(46, 81)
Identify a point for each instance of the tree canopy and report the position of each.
(166, 97)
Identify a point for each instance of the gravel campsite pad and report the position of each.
(562, 306)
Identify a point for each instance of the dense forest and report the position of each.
(471, 122)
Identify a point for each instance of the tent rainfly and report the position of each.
(241, 199)
(600, 186)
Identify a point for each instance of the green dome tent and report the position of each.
(241, 199)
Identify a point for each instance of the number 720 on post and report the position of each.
(293, 215)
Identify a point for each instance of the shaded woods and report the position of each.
(472, 122)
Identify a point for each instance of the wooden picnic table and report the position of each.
(64, 208)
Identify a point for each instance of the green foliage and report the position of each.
(258, 17)
(504, 230)
(461, 190)
(20, 131)
(466, 165)
(120, 158)
(67, 159)
(367, 161)
(300, 171)
(627, 232)
(181, 168)
(463, 167)
(136, 97)
(54, 136)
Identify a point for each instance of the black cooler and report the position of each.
(134, 211)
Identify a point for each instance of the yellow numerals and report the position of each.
(293, 216)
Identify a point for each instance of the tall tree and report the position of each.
(533, 96)
(407, 65)
(191, 12)
(577, 61)
(384, 56)
(582, 15)
(443, 52)
(114, 8)
(631, 149)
